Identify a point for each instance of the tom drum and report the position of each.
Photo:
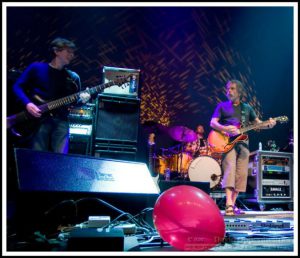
(180, 162)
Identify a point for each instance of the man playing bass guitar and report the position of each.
(42, 82)
(228, 118)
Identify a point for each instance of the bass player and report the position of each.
(43, 81)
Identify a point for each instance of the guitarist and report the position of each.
(42, 82)
(227, 118)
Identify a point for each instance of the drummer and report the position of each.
(200, 145)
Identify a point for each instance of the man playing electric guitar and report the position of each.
(47, 81)
(227, 118)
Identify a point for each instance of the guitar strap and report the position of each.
(243, 121)
(243, 114)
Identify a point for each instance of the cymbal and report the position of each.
(182, 134)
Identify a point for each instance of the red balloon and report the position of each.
(188, 219)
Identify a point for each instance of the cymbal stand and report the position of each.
(180, 156)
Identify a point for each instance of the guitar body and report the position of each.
(23, 130)
(221, 143)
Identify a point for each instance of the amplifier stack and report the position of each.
(81, 120)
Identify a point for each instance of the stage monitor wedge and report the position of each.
(47, 171)
(60, 189)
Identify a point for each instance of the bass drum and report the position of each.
(205, 169)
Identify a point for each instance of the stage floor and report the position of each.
(254, 231)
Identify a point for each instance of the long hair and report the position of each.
(239, 86)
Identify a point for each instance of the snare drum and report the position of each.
(205, 169)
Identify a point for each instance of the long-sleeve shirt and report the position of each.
(40, 83)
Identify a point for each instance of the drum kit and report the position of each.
(203, 167)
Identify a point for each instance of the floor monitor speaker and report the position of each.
(75, 186)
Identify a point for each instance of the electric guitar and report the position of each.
(22, 124)
(220, 142)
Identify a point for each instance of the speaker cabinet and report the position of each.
(117, 118)
(80, 144)
(117, 154)
(59, 188)
(123, 150)
(116, 128)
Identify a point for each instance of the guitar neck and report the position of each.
(46, 107)
(73, 98)
(251, 127)
(262, 124)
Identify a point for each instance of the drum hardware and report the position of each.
(160, 164)
(180, 167)
(181, 162)
(214, 177)
(173, 158)
(185, 162)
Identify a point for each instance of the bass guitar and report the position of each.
(220, 142)
(21, 124)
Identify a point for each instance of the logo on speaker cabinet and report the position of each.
(87, 173)
(105, 177)
(90, 174)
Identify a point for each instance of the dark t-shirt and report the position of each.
(40, 83)
(232, 115)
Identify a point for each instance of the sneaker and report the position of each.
(238, 211)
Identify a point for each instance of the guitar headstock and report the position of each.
(282, 119)
(123, 81)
